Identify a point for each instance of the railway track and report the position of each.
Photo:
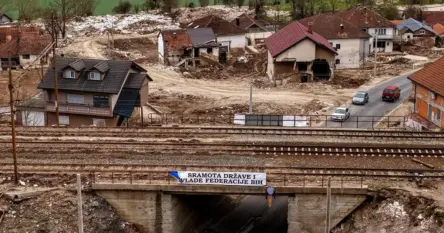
(158, 171)
(178, 132)
(223, 148)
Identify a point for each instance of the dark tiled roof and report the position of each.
(202, 37)
(329, 26)
(177, 39)
(135, 80)
(364, 18)
(77, 65)
(291, 35)
(127, 100)
(3, 14)
(431, 76)
(433, 17)
(219, 25)
(27, 45)
(102, 66)
(246, 21)
(111, 83)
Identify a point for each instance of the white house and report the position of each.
(173, 46)
(351, 43)
(379, 28)
(227, 34)
(256, 30)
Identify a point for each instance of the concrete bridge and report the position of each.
(174, 208)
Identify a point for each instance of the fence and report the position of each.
(315, 121)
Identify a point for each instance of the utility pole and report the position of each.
(328, 217)
(11, 106)
(376, 50)
(56, 90)
(251, 99)
(79, 203)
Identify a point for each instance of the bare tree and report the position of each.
(4, 4)
(27, 9)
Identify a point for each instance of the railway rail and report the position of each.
(203, 131)
(233, 148)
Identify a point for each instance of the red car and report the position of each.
(391, 92)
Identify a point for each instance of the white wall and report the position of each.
(25, 62)
(388, 38)
(304, 51)
(33, 118)
(236, 41)
(349, 53)
(160, 47)
(270, 65)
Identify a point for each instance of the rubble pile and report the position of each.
(139, 50)
(186, 15)
(56, 211)
(123, 24)
(350, 78)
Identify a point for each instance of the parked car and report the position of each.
(341, 114)
(391, 93)
(361, 97)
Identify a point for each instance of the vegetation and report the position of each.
(123, 7)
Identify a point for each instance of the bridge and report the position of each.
(177, 208)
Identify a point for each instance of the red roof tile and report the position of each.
(177, 39)
(219, 25)
(438, 28)
(291, 35)
(246, 21)
(32, 45)
(431, 76)
(329, 26)
(365, 18)
(433, 17)
(396, 22)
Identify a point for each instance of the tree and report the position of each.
(204, 3)
(123, 7)
(27, 9)
(413, 12)
(333, 5)
(151, 4)
(389, 12)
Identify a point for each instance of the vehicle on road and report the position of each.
(341, 114)
(391, 93)
(361, 97)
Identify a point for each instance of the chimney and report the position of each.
(8, 38)
(237, 21)
(342, 28)
(310, 27)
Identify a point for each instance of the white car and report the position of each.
(341, 114)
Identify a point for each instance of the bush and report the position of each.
(204, 3)
(122, 8)
(136, 8)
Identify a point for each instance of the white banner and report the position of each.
(221, 178)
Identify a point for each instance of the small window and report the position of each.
(337, 61)
(438, 114)
(364, 29)
(331, 44)
(70, 74)
(101, 101)
(75, 99)
(421, 32)
(209, 50)
(64, 120)
(26, 56)
(94, 76)
(338, 46)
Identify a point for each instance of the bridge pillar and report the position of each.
(307, 212)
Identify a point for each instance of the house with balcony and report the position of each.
(381, 30)
(94, 92)
(428, 94)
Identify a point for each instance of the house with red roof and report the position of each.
(381, 29)
(173, 45)
(257, 30)
(351, 43)
(428, 92)
(298, 52)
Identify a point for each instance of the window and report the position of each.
(75, 99)
(364, 29)
(94, 76)
(381, 31)
(421, 32)
(381, 44)
(337, 61)
(101, 101)
(26, 56)
(331, 44)
(438, 115)
(99, 122)
(338, 46)
(209, 50)
(64, 120)
(70, 74)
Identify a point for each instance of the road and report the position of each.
(252, 215)
(359, 117)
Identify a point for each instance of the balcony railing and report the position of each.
(79, 109)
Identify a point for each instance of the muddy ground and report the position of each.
(25, 88)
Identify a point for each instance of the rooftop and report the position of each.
(177, 39)
(26, 45)
(431, 76)
(291, 35)
(433, 17)
(246, 21)
(364, 18)
(329, 26)
(413, 25)
(219, 25)
(202, 37)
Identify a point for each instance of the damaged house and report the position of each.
(351, 43)
(173, 46)
(297, 52)
(94, 92)
(257, 30)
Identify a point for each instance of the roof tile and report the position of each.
(431, 76)
(329, 26)
(219, 25)
(364, 18)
